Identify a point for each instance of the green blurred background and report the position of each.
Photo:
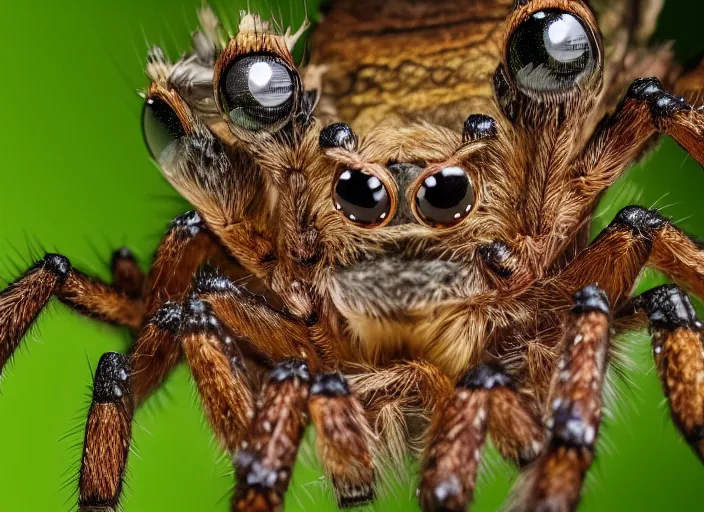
(75, 178)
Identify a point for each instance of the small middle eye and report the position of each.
(256, 92)
(551, 51)
(362, 198)
(446, 197)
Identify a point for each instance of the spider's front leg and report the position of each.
(485, 401)
(224, 318)
(554, 481)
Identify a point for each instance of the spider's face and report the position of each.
(396, 216)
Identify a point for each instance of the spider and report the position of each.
(399, 282)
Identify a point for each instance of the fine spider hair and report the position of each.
(415, 281)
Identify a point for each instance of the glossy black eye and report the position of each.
(446, 197)
(161, 127)
(257, 92)
(551, 51)
(362, 198)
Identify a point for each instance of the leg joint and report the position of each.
(112, 376)
(668, 307)
(56, 264)
(639, 220)
(485, 376)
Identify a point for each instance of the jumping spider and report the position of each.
(411, 287)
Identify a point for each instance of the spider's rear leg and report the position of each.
(265, 463)
(679, 354)
(343, 439)
(484, 402)
(107, 436)
(554, 481)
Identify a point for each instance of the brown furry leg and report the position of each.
(156, 352)
(636, 237)
(344, 439)
(679, 354)
(107, 437)
(22, 301)
(484, 402)
(274, 335)
(213, 357)
(265, 463)
(554, 482)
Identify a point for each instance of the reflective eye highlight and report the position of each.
(257, 92)
(445, 197)
(161, 127)
(362, 198)
(551, 52)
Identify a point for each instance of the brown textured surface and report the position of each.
(153, 356)
(343, 442)
(451, 463)
(222, 386)
(429, 58)
(20, 303)
(679, 355)
(269, 452)
(107, 443)
(514, 429)
(574, 418)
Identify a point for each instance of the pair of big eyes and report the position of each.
(550, 52)
(256, 92)
(442, 199)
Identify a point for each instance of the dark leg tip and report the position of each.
(289, 370)
(111, 381)
(338, 135)
(479, 127)
(485, 376)
(644, 89)
(169, 316)
(354, 497)
(496, 256)
(122, 254)
(669, 308)
(56, 264)
(639, 219)
(447, 496)
(591, 299)
(330, 384)
(188, 224)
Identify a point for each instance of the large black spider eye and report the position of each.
(551, 51)
(445, 197)
(257, 92)
(161, 127)
(362, 198)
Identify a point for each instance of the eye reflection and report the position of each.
(446, 197)
(257, 92)
(362, 197)
(161, 127)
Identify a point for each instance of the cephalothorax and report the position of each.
(413, 225)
